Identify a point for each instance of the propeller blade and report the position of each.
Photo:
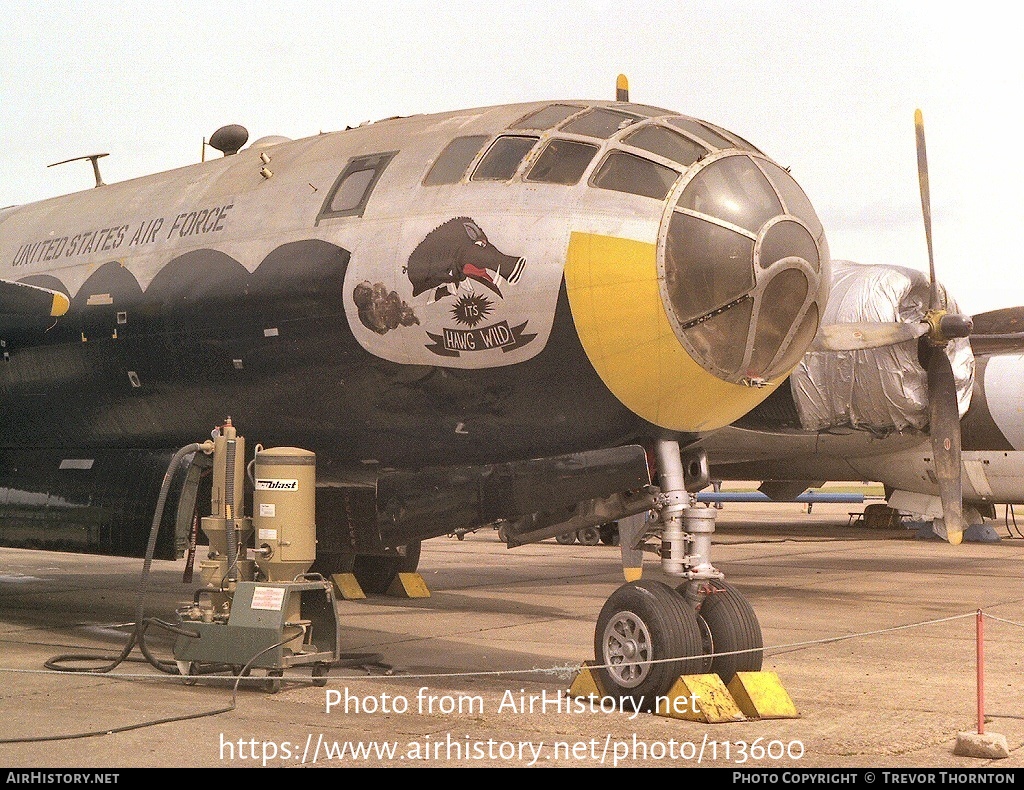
(998, 331)
(926, 207)
(1010, 343)
(945, 433)
(1002, 321)
(861, 335)
(31, 300)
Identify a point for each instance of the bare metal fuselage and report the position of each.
(325, 294)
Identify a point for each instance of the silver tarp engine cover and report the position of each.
(883, 389)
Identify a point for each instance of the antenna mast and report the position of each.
(94, 158)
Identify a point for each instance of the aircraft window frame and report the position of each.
(662, 158)
(523, 123)
(508, 172)
(628, 120)
(730, 135)
(645, 109)
(616, 152)
(449, 159)
(703, 133)
(376, 163)
(691, 242)
(793, 197)
(560, 160)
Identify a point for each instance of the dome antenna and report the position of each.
(228, 139)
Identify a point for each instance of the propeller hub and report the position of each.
(952, 325)
(944, 326)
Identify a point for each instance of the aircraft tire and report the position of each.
(375, 573)
(328, 563)
(589, 536)
(732, 625)
(566, 539)
(643, 623)
(610, 534)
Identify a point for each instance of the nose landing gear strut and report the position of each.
(648, 633)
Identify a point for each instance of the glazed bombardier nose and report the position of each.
(743, 267)
(692, 326)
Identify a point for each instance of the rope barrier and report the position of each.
(567, 669)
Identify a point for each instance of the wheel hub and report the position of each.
(627, 649)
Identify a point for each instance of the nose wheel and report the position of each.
(646, 637)
(732, 629)
(648, 634)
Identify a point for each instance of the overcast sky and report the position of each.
(828, 89)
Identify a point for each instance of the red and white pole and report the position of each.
(981, 672)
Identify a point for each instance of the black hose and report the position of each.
(140, 622)
(364, 660)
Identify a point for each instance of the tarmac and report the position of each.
(872, 633)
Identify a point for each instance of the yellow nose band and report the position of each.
(612, 284)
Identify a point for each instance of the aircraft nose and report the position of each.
(743, 268)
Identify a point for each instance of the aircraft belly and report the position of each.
(995, 476)
(96, 501)
(732, 445)
(988, 476)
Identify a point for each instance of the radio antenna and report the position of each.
(94, 158)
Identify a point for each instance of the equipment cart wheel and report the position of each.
(273, 683)
(319, 673)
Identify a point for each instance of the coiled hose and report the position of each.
(141, 623)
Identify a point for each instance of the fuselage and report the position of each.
(478, 286)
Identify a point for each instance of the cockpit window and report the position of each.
(601, 123)
(721, 337)
(664, 142)
(628, 173)
(562, 162)
(696, 279)
(703, 131)
(546, 118)
(452, 162)
(651, 111)
(351, 192)
(735, 190)
(781, 303)
(503, 158)
(796, 201)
